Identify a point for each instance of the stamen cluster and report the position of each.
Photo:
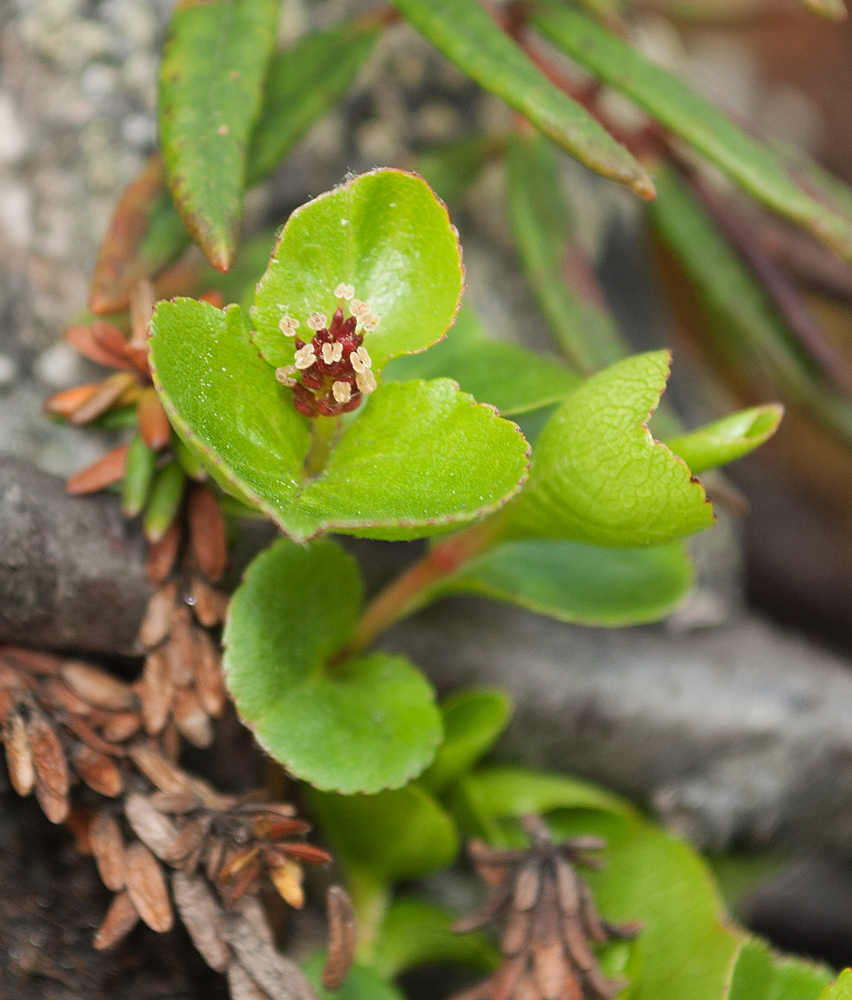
(331, 372)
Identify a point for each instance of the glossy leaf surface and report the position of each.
(390, 837)
(473, 720)
(512, 378)
(467, 36)
(741, 319)
(386, 234)
(359, 725)
(541, 224)
(841, 990)
(727, 439)
(577, 583)
(760, 975)
(211, 80)
(752, 165)
(420, 456)
(418, 933)
(597, 474)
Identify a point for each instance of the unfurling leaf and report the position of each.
(357, 725)
(727, 439)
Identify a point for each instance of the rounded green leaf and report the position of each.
(841, 990)
(582, 584)
(390, 837)
(386, 234)
(598, 476)
(357, 726)
(419, 457)
(727, 439)
(472, 722)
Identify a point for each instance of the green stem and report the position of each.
(409, 591)
(370, 901)
(324, 433)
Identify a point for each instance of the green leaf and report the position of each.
(473, 720)
(419, 457)
(304, 82)
(138, 476)
(164, 500)
(362, 983)
(512, 378)
(841, 990)
(727, 439)
(577, 583)
(468, 37)
(211, 88)
(597, 474)
(417, 933)
(386, 234)
(356, 726)
(450, 169)
(740, 319)
(760, 975)
(541, 223)
(752, 165)
(390, 837)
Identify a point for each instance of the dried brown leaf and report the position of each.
(146, 886)
(578, 946)
(214, 856)
(111, 392)
(342, 938)
(64, 403)
(97, 349)
(567, 888)
(208, 603)
(143, 299)
(550, 969)
(153, 423)
(516, 932)
(180, 647)
(175, 803)
(527, 989)
(278, 976)
(56, 694)
(168, 777)
(527, 884)
(154, 829)
(120, 919)
(85, 732)
(97, 688)
(603, 988)
(592, 922)
(162, 554)
(209, 682)
(156, 691)
(158, 616)
(508, 976)
(51, 779)
(207, 532)
(307, 852)
(40, 664)
(98, 771)
(572, 988)
(107, 846)
(104, 472)
(203, 918)
(19, 758)
(120, 726)
(187, 846)
(192, 721)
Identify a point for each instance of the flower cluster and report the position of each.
(331, 372)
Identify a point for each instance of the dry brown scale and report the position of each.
(548, 919)
(158, 834)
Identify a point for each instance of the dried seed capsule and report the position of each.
(120, 919)
(107, 846)
(146, 886)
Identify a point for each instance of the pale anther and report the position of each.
(326, 353)
(344, 292)
(336, 352)
(305, 357)
(342, 391)
(365, 381)
(316, 321)
(364, 355)
(359, 308)
(288, 326)
(285, 374)
(372, 321)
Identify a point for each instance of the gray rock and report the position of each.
(736, 735)
(72, 571)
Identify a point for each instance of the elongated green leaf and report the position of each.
(752, 165)
(541, 224)
(512, 378)
(727, 439)
(386, 234)
(362, 983)
(355, 726)
(392, 837)
(304, 82)
(418, 933)
(597, 474)
(739, 316)
(582, 584)
(472, 722)
(467, 36)
(138, 476)
(211, 79)
(452, 168)
(841, 990)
